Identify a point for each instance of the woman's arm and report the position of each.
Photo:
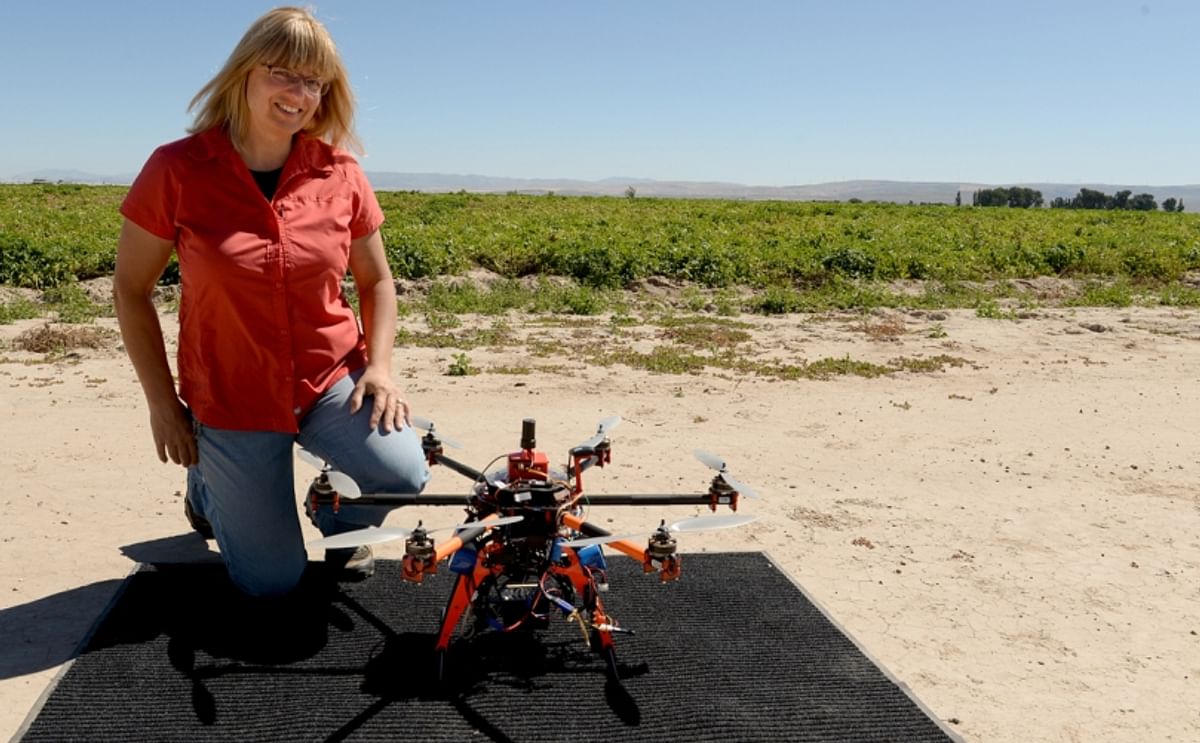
(141, 258)
(377, 301)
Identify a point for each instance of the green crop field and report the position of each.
(790, 255)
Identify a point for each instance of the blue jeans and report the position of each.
(244, 485)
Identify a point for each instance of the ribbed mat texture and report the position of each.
(732, 652)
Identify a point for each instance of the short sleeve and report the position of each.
(368, 215)
(152, 199)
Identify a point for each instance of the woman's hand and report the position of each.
(174, 436)
(389, 405)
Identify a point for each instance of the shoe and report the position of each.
(198, 522)
(352, 564)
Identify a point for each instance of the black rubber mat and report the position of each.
(733, 651)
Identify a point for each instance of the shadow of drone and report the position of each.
(216, 633)
(212, 635)
(476, 666)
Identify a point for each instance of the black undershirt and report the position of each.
(267, 180)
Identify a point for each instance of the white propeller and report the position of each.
(714, 462)
(589, 541)
(710, 523)
(344, 484)
(359, 537)
(309, 458)
(602, 431)
(341, 482)
(693, 524)
(381, 534)
(427, 425)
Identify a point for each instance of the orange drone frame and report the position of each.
(525, 550)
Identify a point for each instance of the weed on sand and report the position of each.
(58, 339)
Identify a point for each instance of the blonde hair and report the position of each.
(289, 37)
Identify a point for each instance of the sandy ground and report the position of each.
(1016, 538)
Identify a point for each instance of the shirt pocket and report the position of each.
(317, 232)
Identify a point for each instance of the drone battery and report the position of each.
(463, 561)
(592, 557)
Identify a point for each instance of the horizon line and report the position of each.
(81, 177)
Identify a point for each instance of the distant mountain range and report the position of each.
(892, 191)
(70, 176)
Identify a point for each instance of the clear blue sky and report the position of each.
(759, 92)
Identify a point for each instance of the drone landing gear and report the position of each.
(473, 589)
(603, 644)
(460, 602)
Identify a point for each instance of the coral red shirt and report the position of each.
(264, 328)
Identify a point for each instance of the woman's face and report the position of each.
(281, 101)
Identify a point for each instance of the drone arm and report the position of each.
(455, 543)
(459, 467)
(649, 499)
(394, 500)
(591, 530)
(616, 499)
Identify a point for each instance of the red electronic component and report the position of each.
(528, 464)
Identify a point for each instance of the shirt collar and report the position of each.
(308, 153)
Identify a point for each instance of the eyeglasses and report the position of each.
(285, 78)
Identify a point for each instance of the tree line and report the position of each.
(1016, 197)
(1019, 197)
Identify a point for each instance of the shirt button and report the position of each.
(296, 410)
(278, 284)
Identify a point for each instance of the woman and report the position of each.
(265, 214)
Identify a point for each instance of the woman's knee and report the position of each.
(267, 578)
(411, 473)
(394, 463)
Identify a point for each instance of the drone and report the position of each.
(525, 552)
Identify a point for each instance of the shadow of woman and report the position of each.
(179, 589)
(49, 631)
